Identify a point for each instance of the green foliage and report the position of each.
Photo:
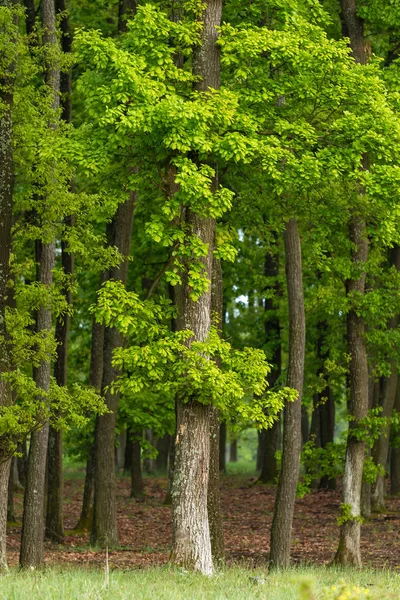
(171, 364)
(346, 515)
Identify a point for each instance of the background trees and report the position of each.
(263, 146)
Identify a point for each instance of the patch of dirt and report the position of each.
(145, 528)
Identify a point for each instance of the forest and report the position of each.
(199, 299)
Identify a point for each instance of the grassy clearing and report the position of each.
(170, 584)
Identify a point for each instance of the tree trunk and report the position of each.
(104, 532)
(271, 438)
(222, 447)
(348, 552)
(233, 450)
(380, 449)
(95, 378)
(286, 494)
(162, 456)
(171, 467)
(128, 452)
(22, 463)
(55, 487)
(10, 496)
(191, 535)
(304, 425)
(137, 487)
(327, 431)
(31, 553)
(373, 401)
(86, 517)
(6, 214)
(4, 477)
(395, 453)
(55, 483)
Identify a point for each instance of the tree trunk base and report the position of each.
(378, 496)
(85, 522)
(348, 553)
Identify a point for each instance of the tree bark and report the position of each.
(55, 484)
(10, 497)
(31, 552)
(271, 438)
(395, 454)
(348, 552)
(233, 450)
(95, 378)
(137, 487)
(104, 532)
(191, 535)
(163, 451)
(286, 493)
(222, 447)
(380, 449)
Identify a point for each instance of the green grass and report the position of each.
(165, 583)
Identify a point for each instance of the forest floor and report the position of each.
(145, 528)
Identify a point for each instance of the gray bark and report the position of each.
(281, 530)
(191, 534)
(348, 552)
(104, 532)
(31, 552)
(380, 449)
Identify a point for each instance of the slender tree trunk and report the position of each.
(281, 530)
(10, 498)
(271, 437)
(373, 401)
(104, 532)
(222, 447)
(22, 463)
(30, 16)
(395, 453)
(95, 378)
(304, 425)
(128, 451)
(171, 467)
(162, 456)
(55, 484)
(31, 553)
(381, 447)
(348, 552)
(6, 214)
(4, 476)
(137, 487)
(191, 534)
(233, 450)
(327, 431)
